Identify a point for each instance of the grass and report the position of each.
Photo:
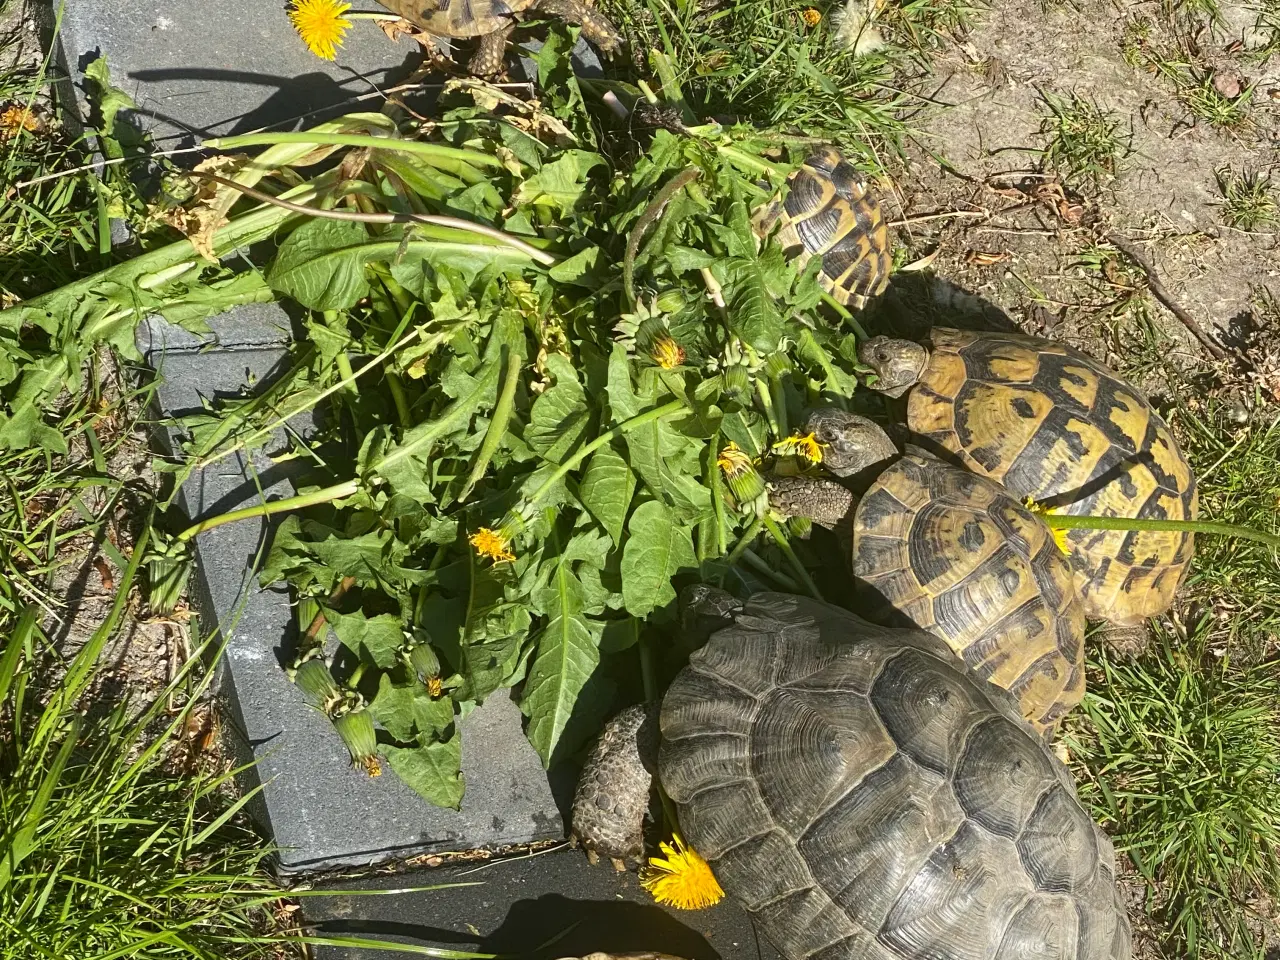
(52, 231)
(108, 850)
(761, 60)
(1084, 141)
(1248, 199)
(1182, 766)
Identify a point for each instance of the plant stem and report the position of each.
(341, 359)
(401, 401)
(848, 317)
(428, 151)
(498, 421)
(785, 545)
(336, 492)
(657, 413)
(747, 538)
(754, 560)
(1066, 521)
(766, 401)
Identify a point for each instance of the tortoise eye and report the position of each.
(882, 355)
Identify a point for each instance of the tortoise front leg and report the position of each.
(596, 27)
(491, 51)
(613, 791)
(824, 501)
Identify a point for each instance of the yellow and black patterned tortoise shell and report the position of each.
(954, 553)
(830, 211)
(1052, 424)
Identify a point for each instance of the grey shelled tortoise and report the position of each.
(863, 795)
(492, 21)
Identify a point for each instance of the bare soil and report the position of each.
(1018, 234)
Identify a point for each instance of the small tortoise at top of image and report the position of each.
(830, 210)
(1054, 425)
(494, 20)
(950, 552)
(864, 796)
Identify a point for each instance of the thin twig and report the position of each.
(948, 215)
(1130, 250)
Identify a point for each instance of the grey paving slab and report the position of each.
(320, 812)
(524, 903)
(199, 68)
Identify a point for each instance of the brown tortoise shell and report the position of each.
(1052, 424)
(865, 797)
(829, 210)
(959, 557)
(457, 18)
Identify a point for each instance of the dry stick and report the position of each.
(456, 223)
(317, 624)
(1130, 250)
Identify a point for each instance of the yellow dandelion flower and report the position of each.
(809, 447)
(15, 120)
(666, 352)
(732, 460)
(321, 25)
(435, 687)
(1059, 533)
(493, 544)
(811, 16)
(681, 878)
(745, 483)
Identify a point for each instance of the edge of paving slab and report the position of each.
(321, 813)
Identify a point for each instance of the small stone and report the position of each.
(1228, 82)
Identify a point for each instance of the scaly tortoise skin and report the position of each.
(494, 20)
(830, 210)
(954, 554)
(866, 797)
(1052, 424)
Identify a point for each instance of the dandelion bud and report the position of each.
(745, 483)
(317, 684)
(665, 352)
(356, 730)
(777, 364)
(736, 381)
(670, 301)
(799, 527)
(425, 662)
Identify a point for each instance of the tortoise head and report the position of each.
(898, 364)
(850, 443)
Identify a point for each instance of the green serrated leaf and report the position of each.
(578, 269)
(560, 417)
(753, 310)
(567, 657)
(606, 490)
(560, 184)
(433, 771)
(375, 640)
(322, 265)
(408, 713)
(657, 548)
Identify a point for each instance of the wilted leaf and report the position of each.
(433, 771)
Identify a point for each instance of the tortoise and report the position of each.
(952, 553)
(1054, 425)
(862, 794)
(493, 20)
(829, 210)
